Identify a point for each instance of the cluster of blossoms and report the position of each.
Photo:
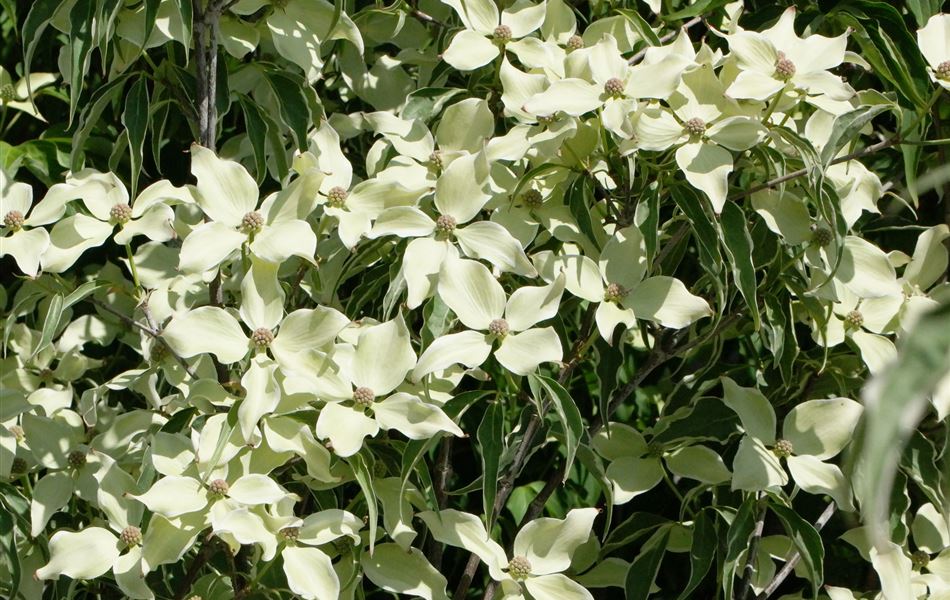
(468, 232)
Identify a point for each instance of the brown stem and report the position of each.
(203, 555)
(152, 332)
(893, 141)
(443, 471)
(793, 561)
(745, 586)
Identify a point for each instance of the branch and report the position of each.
(203, 555)
(745, 586)
(893, 141)
(151, 331)
(669, 36)
(797, 556)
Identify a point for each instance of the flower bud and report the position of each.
(13, 220)
(519, 568)
(502, 34)
(252, 222)
(498, 328)
(783, 448)
(784, 68)
(120, 213)
(614, 88)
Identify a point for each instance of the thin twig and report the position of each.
(745, 585)
(427, 18)
(893, 141)
(796, 557)
(669, 36)
(155, 334)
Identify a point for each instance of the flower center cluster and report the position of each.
(547, 119)
(498, 328)
(519, 568)
(695, 126)
(614, 88)
(532, 199)
(575, 42)
(943, 70)
(13, 220)
(614, 293)
(120, 213)
(336, 197)
(919, 559)
(854, 319)
(290, 533)
(783, 448)
(444, 226)
(262, 337)
(435, 159)
(158, 352)
(219, 487)
(7, 93)
(76, 459)
(363, 397)
(131, 536)
(784, 68)
(18, 465)
(502, 34)
(252, 222)
(822, 236)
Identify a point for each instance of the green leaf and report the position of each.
(256, 133)
(702, 552)
(8, 547)
(894, 403)
(579, 197)
(640, 25)
(54, 315)
(737, 540)
(135, 119)
(701, 7)
(807, 541)
(425, 103)
(643, 569)
(82, 292)
(90, 116)
(187, 12)
(846, 128)
(364, 477)
(294, 110)
(568, 414)
(82, 22)
(738, 244)
(707, 419)
(919, 461)
(151, 11)
(635, 527)
(35, 24)
(491, 445)
(701, 223)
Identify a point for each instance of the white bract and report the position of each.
(541, 552)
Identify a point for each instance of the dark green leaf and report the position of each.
(81, 24)
(54, 315)
(807, 541)
(701, 223)
(364, 477)
(635, 527)
(101, 98)
(491, 444)
(707, 419)
(569, 416)
(738, 244)
(256, 133)
(425, 103)
(702, 552)
(645, 566)
(135, 119)
(35, 24)
(8, 547)
(151, 11)
(294, 110)
(846, 128)
(640, 25)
